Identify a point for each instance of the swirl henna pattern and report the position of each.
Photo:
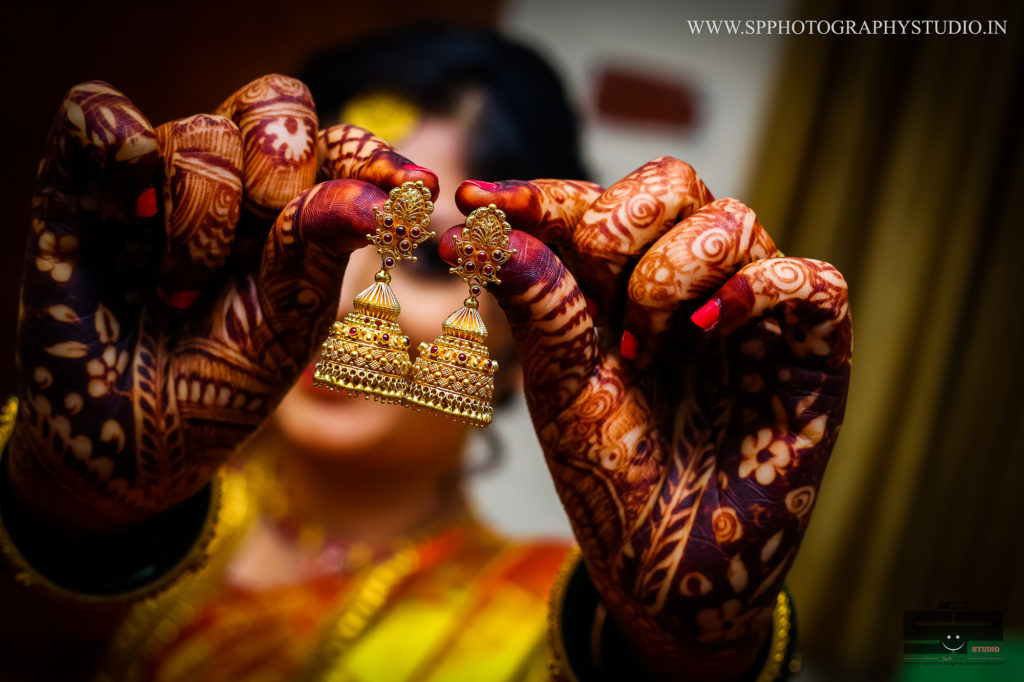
(130, 401)
(688, 474)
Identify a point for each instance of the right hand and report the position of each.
(149, 347)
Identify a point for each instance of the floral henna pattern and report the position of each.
(688, 481)
(278, 123)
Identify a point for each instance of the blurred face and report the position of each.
(334, 425)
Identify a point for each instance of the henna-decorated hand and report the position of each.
(688, 456)
(149, 347)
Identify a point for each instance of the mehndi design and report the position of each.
(454, 375)
(689, 474)
(367, 351)
(129, 401)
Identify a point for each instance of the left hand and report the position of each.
(688, 460)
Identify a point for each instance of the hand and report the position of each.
(688, 460)
(150, 346)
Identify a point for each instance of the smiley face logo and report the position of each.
(953, 642)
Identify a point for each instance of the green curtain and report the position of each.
(899, 159)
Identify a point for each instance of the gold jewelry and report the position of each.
(367, 351)
(778, 663)
(454, 375)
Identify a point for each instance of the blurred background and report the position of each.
(898, 158)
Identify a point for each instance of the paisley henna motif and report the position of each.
(688, 478)
(129, 404)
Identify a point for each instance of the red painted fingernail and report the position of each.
(145, 205)
(485, 186)
(591, 307)
(628, 345)
(412, 166)
(182, 299)
(707, 316)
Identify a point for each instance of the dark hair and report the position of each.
(526, 128)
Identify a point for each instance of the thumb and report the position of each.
(304, 259)
(553, 330)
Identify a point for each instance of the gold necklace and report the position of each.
(357, 610)
(333, 555)
(375, 578)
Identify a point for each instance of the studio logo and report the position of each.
(952, 635)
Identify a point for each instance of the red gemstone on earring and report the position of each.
(475, 290)
(352, 331)
(468, 249)
(488, 269)
(470, 266)
(487, 365)
(400, 230)
(388, 221)
(462, 357)
(433, 349)
(481, 256)
(415, 232)
(498, 256)
(385, 337)
(386, 238)
(403, 245)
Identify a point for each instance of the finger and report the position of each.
(586, 412)
(304, 260)
(347, 151)
(95, 182)
(808, 298)
(547, 209)
(693, 259)
(101, 148)
(786, 328)
(100, 158)
(552, 328)
(202, 192)
(627, 218)
(278, 122)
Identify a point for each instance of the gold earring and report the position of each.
(454, 375)
(367, 352)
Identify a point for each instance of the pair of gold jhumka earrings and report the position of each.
(368, 353)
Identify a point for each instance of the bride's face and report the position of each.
(335, 425)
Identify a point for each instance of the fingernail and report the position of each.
(414, 167)
(591, 308)
(707, 316)
(180, 299)
(627, 347)
(145, 205)
(485, 186)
